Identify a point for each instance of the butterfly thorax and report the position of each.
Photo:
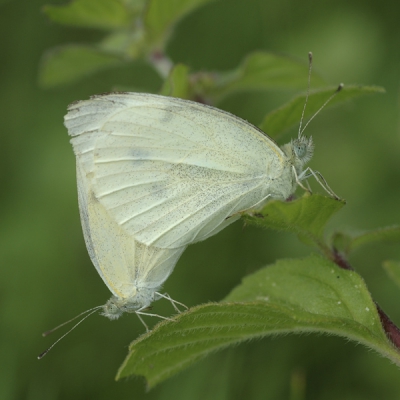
(116, 306)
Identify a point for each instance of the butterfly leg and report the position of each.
(320, 179)
(259, 202)
(142, 321)
(250, 208)
(301, 177)
(139, 313)
(173, 302)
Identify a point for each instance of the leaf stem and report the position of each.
(391, 330)
(339, 259)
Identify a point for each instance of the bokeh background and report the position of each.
(46, 276)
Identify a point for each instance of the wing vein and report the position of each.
(104, 194)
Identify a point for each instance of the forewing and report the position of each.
(170, 171)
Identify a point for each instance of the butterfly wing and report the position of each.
(171, 172)
(123, 263)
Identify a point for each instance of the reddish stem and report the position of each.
(339, 259)
(391, 330)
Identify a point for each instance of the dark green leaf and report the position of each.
(265, 71)
(162, 14)
(70, 63)
(306, 216)
(383, 235)
(280, 120)
(101, 14)
(308, 295)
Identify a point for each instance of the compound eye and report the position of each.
(300, 150)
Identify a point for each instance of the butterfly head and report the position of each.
(115, 307)
(303, 149)
(299, 151)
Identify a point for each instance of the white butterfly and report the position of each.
(172, 172)
(157, 173)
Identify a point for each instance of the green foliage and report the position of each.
(137, 29)
(162, 15)
(99, 14)
(298, 296)
(66, 64)
(265, 71)
(312, 294)
(306, 216)
(349, 243)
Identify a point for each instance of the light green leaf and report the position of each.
(69, 63)
(124, 43)
(266, 71)
(177, 84)
(278, 121)
(162, 14)
(392, 268)
(308, 295)
(306, 216)
(101, 14)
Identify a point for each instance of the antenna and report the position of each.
(90, 311)
(310, 57)
(340, 87)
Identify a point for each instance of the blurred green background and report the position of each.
(47, 277)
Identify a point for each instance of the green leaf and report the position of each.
(348, 243)
(69, 63)
(101, 14)
(177, 84)
(306, 216)
(162, 14)
(308, 295)
(383, 235)
(392, 268)
(124, 43)
(266, 71)
(280, 120)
